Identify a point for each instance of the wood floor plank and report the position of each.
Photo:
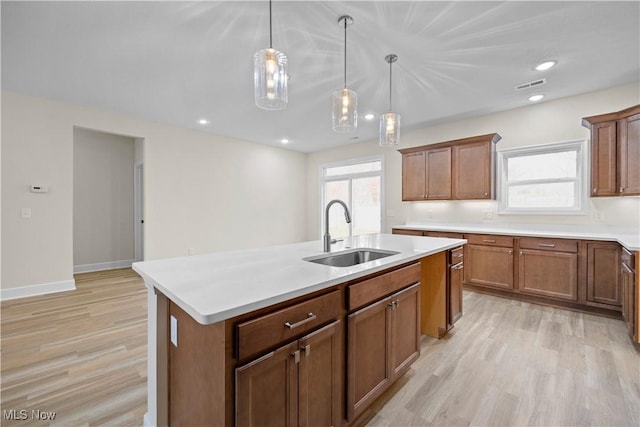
(81, 354)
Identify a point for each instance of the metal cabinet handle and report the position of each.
(486, 194)
(510, 251)
(627, 269)
(307, 350)
(459, 255)
(595, 190)
(521, 253)
(393, 305)
(458, 266)
(489, 240)
(296, 356)
(547, 245)
(621, 189)
(310, 317)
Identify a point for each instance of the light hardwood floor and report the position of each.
(82, 354)
(509, 363)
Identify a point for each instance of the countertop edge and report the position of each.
(521, 232)
(211, 318)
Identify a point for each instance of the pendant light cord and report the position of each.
(390, 83)
(345, 53)
(270, 30)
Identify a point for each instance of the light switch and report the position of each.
(174, 331)
(25, 213)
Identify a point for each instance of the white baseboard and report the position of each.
(35, 290)
(146, 422)
(86, 268)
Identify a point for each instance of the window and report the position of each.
(547, 179)
(358, 183)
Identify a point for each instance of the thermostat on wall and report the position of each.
(39, 189)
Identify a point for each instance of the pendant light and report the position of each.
(390, 122)
(270, 76)
(345, 101)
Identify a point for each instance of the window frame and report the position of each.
(581, 206)
(348, 162)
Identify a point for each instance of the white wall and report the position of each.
(552, 121)
(202, 191)
(102, 200)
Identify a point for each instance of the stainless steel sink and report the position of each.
(350, 257)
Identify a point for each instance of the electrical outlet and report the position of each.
(599, 216)
(192, 251)
(488, 214)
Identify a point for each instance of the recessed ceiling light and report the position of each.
(534, 98)
(545, 65)
(203, 121)
(284, 141)
(369, 116)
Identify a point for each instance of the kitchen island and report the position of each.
(216, 321)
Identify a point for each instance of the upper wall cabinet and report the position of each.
(615, 153)
(462, 169)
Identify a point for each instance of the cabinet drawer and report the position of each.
(541, 244)
(444, 234)
(268, 331)
(490, 240)
(370, 290)
(457, 255)
(628, 259)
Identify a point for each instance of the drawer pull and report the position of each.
(510, 251)
(310, 317)
(489, 240)
(393, 304)
(628, 270)
(296, 356)
(458, 266)
(547, 245)
(459, 255)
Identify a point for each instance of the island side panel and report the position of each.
(433, 293)
(196, 372)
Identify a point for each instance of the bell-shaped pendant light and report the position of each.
(270, 76)
(390, 122)
(345, 101)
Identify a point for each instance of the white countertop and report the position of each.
(217, 286)
(630, 239)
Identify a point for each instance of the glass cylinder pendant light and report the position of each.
(390, 122)
(270, 76)
(345, 101)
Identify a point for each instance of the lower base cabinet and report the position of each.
(489, 266)
(603, 284)
(384, 339)
(629, 293)
(548, 273)
(296, 385)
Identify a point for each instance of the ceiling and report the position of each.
(178, 62)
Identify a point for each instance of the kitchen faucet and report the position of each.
(327, 236)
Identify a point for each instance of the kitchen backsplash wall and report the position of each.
(536, 124)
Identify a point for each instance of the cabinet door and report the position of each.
(454, 295)
(603, 159)
(629, 155)
(368, 356)
(489, 266)
(628, 299)
(267, 389)
(413, 176)
(548, 273)
(320, 370)
(438, 182)
(603, 285)
(472, 171)
(405, 329)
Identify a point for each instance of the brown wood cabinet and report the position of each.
(489, 261)
(615, 153)
(629, 293)
(548, 267)
(295, 385)
(383, 341)
(454, 290)
(461, 169)
(603, 280)
(473, 170)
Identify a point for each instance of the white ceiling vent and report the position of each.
(534, 83)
